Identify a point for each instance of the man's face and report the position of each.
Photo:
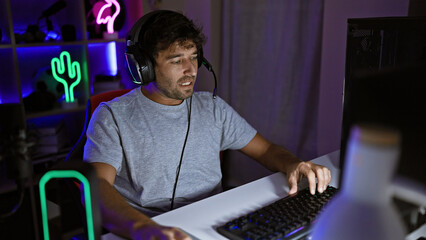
(176, 71)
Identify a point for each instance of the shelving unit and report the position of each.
(24, 62)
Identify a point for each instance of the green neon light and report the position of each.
(87, 199)
(58, 66)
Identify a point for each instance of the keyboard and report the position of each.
(287, 218)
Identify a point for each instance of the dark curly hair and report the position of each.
(166, 28)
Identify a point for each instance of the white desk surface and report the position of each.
(201, 218)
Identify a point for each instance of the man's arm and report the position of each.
(277, 158)
(122, 219)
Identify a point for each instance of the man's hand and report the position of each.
(158, 232)
(311, 171)
(122, 219)
(278, 158)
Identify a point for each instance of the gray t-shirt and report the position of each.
(143, 141)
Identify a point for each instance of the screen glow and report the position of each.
(112, 58)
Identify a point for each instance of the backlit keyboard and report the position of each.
(287, 218)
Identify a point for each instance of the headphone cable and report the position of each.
(181, 156)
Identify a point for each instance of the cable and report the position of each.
(181, 156)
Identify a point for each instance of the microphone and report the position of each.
(14, 149)
(210, 69)
(14, 144)
(53, 9)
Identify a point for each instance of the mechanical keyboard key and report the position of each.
(287, 218)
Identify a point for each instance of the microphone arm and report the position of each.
(210, 69)
(54, 8)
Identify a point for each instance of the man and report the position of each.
(158, 147)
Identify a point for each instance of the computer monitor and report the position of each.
(393, 97)
(385, 83)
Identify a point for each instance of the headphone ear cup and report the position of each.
(200, 57)
(146, 69)
(139, 66)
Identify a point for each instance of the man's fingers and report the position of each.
(324, 178)
(176, 234)
(152, 232)
(180, 235)
(306, 168)
(293, 189)
(321, 179)
(318, 176)
(329, 176)
(311, 180)
(292, 181)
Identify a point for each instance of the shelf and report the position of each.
(105, 40)
(55, 112)
(6, 46)
(53, 157)
(47, 44)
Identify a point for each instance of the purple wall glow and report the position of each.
(336, 13)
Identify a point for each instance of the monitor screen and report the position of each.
(393, 97)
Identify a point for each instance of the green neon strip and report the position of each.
(87, 199)
(61, 70)
(76, 70)
(58, 67)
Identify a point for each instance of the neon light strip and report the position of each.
(112, 58)
(87, 199)
(58, 66)
(109, 20)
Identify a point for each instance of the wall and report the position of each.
(336, 13)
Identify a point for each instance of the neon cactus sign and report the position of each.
(109, 20)
(74, 72)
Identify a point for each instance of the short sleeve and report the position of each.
(103, 141)
(236, 131)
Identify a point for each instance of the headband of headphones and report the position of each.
(139, 63)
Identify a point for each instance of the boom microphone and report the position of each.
(52, 10)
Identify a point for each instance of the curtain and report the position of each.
(270, 75)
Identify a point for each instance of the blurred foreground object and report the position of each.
(363, 209)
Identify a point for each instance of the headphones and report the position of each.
(139, 63)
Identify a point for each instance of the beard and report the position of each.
(171, 90)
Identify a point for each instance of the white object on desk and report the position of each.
(362, 209)
(201, 218)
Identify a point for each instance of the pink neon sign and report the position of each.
(104, 15)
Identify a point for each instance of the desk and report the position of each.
(201, 218)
